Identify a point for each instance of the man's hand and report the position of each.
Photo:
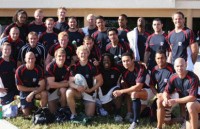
(30, 96)
(117, 93)
(3, 90)
(80, 88)
(88, 90)
(96, 62)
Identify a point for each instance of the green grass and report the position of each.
(96, 123)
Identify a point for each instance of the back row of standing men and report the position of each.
(91, 42)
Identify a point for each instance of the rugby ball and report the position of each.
(80, 80)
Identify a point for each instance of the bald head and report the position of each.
(30, 58)
(180, 66)
(14, 33)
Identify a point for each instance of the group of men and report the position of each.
(59, 63)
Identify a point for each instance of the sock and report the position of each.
(136, 107)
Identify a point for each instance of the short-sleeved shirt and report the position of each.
(60, 73)
(179, 42)
(88, 31)
(110, 78)
(123, 35)
(186, 86)
(154, 43)
(116, 51)
(95, 53)
(15, 45)
(142, 44)
(29, 78)
(70, 52)
(39, 29)
(61, 26)
(101, 40)
(89, 71)
(138, 75)
(7, 74)
(48, 39)
(22, 29)
(77, 37)
(160, 77)
(38, 50)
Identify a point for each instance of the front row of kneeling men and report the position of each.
(110, 82)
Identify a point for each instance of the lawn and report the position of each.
(96, 123)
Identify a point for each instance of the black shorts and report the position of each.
(9, 97)
(24, 103)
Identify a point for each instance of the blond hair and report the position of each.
(60, 50)
(82, 48)
(62, 34)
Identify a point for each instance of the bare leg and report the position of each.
(90, 108)
(160, 113)
(63, 100)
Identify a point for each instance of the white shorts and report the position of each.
(150, 95)
(108, 97)
(53, 96)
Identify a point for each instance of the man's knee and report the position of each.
(191, 107)
(62, 91)
(70, 93)
(44, 94)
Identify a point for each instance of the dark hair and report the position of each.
(130, 54)
(124, 15)
(100, 17)
(72, 17)
(112, 29)
(157, 19)
(110, 56)
(88, 37)
(161, 52)
(180, 13)
(17, 13)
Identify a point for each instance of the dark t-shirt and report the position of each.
(138, 75)
(186, 86)
(95, 53)
(39, 29)
(60, 26)
(77, 37)
(160, 77)
(29, 78)
(179, 42)
(123, 35)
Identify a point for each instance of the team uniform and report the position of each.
(101, 40)
(179, 43)
(48, 39)
(185, 87)
(154, 43)
(61, 26)
(88, 31)
(22, 29)
(39, 29)
(123, 35)
(39, 52)
(160, 77)
(15, 46)
(110, 83)
(117, 51)
(77, 37)
(7, 75)
(70, 52)
(142, 44)
(60, 74)
(95, 53)
(28, 78)
(89, 71)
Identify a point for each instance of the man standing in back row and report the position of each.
(182, 41)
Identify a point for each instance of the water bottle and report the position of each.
(74, 43)
(1, 110)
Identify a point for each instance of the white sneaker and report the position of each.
(118, 118)
(103, 112)
(133, 125)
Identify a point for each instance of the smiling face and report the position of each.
(6, 51)
(106, 62)
(127, 62)
(100, 23)
(33, 40)
(60, 58)
(161, 60)
(89, 43)
(30, 58)
(113, 36)
(61, 13)
(180, 66)
(38, 15)
(178, 20)
(72, 23)
(14, 33)
(21, 18)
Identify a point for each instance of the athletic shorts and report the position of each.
(24, 103)
(53, 96)
(150, 95)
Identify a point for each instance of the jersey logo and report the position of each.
(36, 55)
(78, 40)
(87, 75)
(161, 43)
(55, 41)
(179, 43)
(165, 80)
(112, 76)
(34, 79)
(68, 57)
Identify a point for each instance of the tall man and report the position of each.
(31, 84)
(137, 39)
(186, 84)
(180, 38)
(156, 41)
(123, 30)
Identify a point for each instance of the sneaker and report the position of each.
(118, 118)
(103, 112)
(129, 117)
(133, 125)
(73, 116)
